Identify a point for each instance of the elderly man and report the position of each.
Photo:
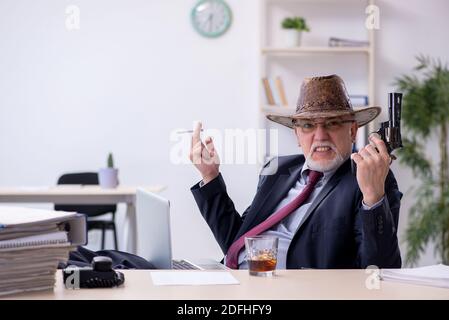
(323, 214)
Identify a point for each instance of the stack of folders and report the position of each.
(32, 243)
(436, 275)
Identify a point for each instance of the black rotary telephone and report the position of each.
(99, 275)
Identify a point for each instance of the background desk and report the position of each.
(288, 284)
(75, 194)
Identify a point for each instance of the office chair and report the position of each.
(90, 178)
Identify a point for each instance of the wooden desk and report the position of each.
(76, 194)
(287, 285)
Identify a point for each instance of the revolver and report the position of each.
(390, 131)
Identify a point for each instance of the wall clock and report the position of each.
(211, 18)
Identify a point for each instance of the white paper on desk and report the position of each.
(435, 275)
(192, 278)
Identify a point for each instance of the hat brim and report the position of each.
(361, 116)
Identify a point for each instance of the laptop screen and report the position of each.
(153, 229)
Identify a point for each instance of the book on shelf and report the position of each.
(339, 42)
(274, 91)
(358, 100)
(32, 244)
(280, 89)
(268, 91)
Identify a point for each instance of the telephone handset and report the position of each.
(99, 275)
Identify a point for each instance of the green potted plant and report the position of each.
(294, 27)
(425, 118)
(108, 177)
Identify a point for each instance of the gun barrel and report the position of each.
(394, 108)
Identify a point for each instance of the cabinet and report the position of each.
(326, 18)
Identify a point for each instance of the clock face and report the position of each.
(211, 18)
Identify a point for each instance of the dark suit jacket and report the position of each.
(335, 233)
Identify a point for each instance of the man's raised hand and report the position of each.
(204, 157)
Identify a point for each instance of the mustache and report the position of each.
(316, 145)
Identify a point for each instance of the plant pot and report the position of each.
(292, 37)
(108, 178)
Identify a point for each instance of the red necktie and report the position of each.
(234, 249)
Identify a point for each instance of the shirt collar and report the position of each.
(326, 175)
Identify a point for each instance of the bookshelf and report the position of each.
(305, 50)
(326, 18)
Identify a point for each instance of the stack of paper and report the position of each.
(32, 243)
(436, 275)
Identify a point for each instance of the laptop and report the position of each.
(154, 236)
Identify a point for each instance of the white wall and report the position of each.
(135, 71)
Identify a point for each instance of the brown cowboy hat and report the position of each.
(325, 97)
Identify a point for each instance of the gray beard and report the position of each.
(331, 165)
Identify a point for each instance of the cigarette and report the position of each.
(187, 131)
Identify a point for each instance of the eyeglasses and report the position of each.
(308, 126)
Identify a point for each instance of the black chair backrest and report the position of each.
(84, 178)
